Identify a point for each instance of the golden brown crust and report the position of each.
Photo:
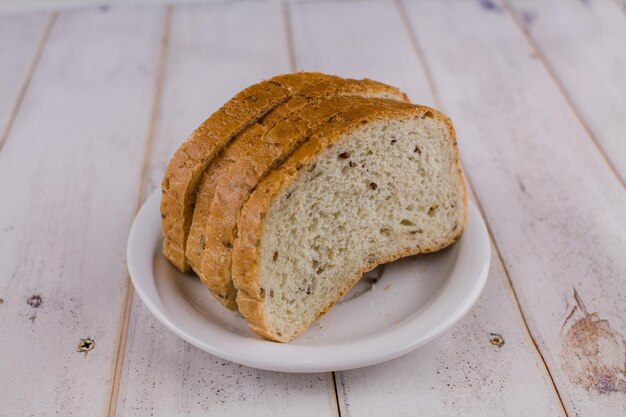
(246, 248)
(230, 179)
(185, 169)
(189, 161)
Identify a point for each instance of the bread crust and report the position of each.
(246, 247)
(232, 176)
(186, 167)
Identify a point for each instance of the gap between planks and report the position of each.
(291, 51)
(561, 87)
(498, 258)
(29, 76)
(333, 375)
(149, 139)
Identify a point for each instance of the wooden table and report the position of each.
(93, 103)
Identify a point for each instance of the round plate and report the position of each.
(391, 311)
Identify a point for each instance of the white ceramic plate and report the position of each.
(390, 312)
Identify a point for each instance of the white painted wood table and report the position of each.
(93, 102)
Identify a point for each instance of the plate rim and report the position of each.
(300, 358)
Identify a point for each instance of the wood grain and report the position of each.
(461, 372)
(583, 45)
(69, 178)
(213, 52)
(554, 206)
(21, 40)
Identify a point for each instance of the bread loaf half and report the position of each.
(379, 181)
(183, 174)
(229, 180)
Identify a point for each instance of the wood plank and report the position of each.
(461, 372)
(21, 37)
(583, 45)
(554, 206)
(69, 180)
(381, 53)
(214, 51)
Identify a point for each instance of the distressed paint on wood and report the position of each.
(21, 40)
(584, 44)
(586, 337)
(214, 51)
(462, 371)
(553, 204)
(69, 178)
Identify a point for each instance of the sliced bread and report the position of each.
(250, 157)
(378, 182)
(229, 179)
(185, 170)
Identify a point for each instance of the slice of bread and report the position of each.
(186, 167)
(251, 156)
(378, 182)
